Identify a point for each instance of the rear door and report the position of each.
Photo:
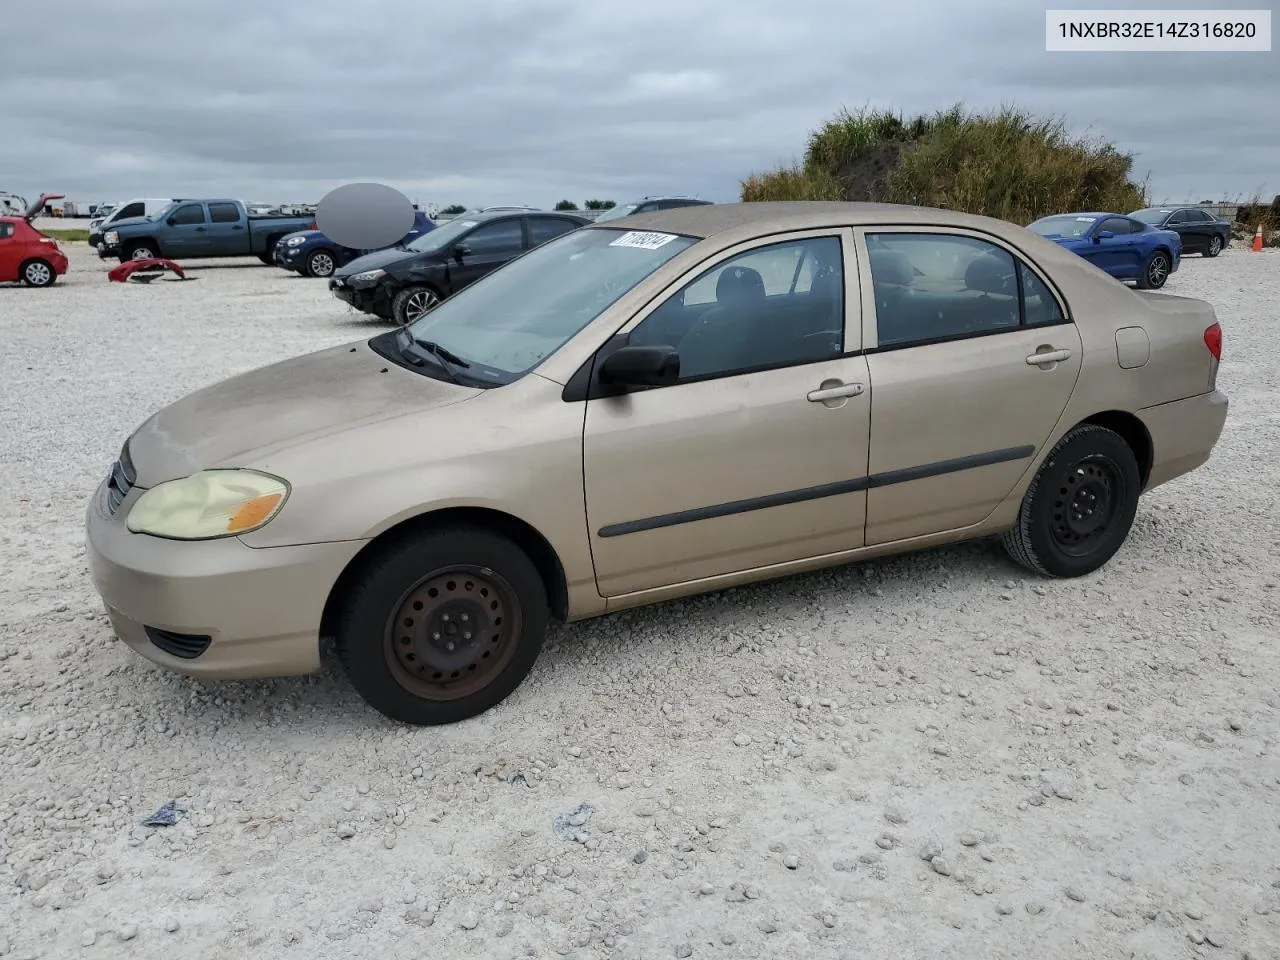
(227, 234)
(483, 250)
(972, 360)
(186, 232)
(10, 252)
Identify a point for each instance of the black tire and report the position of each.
(321, 263)
(38, 272)
(412, 302)
(1215, 246)
(417, 589)
(1155, 271)
(138, 250)
(1093, 470)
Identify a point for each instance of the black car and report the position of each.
(648, 205)
(1200, 230)
(402, 284)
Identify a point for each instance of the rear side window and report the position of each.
(930, 288)
(224, 212)
(6, 231)
(130, 210)
(188, 214)
(542, 229)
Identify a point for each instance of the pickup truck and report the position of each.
(198, 229)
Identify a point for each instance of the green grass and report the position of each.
(68, 236)
(1005, 163)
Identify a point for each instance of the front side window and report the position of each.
(188, 214)
(508, 322)
(774, 306)
(1117, 225)
(494, 238)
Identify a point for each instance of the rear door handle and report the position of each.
(199, 229)
(1048, 356)
(834, 393)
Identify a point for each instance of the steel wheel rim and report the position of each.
(418, 304)
(1215, 246)
(1087, 502)
(475, 611)
(37, 274)
(321, 264)
(141, 253)
(1158, 269)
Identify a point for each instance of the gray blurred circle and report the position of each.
(364, 215)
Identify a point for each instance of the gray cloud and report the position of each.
(490, 102)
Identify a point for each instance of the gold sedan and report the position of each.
(654, 407)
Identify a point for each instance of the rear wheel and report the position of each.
(1080, 507)
(411, 303)
(1215, 246)
(443, 625)
(321, 264)
(1156, 271)
(38, 273)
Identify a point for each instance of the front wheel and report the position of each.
(321, 264)
(443, 625)
(1156, 271)
(140, 251)
(38, 273)
(1079, 508)
(1215, 246)
(411, 303)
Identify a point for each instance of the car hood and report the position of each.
(376, 260)
(244, 418)
(128, 222)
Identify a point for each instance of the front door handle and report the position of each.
(1041, 358)
(837, 392)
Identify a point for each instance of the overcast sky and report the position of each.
(528, 101)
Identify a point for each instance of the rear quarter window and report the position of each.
(6, 231)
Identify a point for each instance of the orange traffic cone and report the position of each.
(1257, 240)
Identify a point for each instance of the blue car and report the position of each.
(312, 254)
(1124, 247)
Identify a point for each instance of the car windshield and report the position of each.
(162, 212)
(1152, 215)
(1064, 226)
(511, 320)
(442, 235)
(621, 210)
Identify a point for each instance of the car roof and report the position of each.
(504, 214)
(707, 220)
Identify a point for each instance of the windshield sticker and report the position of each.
(1086, 219)
(643, 240)
(469, 223)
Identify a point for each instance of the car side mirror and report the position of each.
(172, 222)
(462, 250)
(641, 366)
(1104, 235)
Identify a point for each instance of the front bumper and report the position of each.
(287, 257)
(259, 608)
(365, 299)
(1183, 434)
(106, 252)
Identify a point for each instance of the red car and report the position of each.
(26, 254)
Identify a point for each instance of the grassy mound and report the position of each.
(1005, 164)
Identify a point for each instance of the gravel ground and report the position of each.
(928, 757)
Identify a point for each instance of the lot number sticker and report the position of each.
(643, 240)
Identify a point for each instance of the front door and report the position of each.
(187, 232)
(758, 455)
(483, 250)
(968, 378)
(1115, 254)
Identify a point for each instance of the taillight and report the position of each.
(1213, 340)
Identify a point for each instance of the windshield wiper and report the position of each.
(413, 350)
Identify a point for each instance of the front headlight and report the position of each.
(111, 237)
(208, 505)
(366, 278)
(295, 241)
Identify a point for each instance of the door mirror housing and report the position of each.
(1103, 235)
(462, 250)
(641, 366)
(172, 222)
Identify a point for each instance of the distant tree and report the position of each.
(566, 205)
(454, 209)
(609, 205)
(600, 204)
